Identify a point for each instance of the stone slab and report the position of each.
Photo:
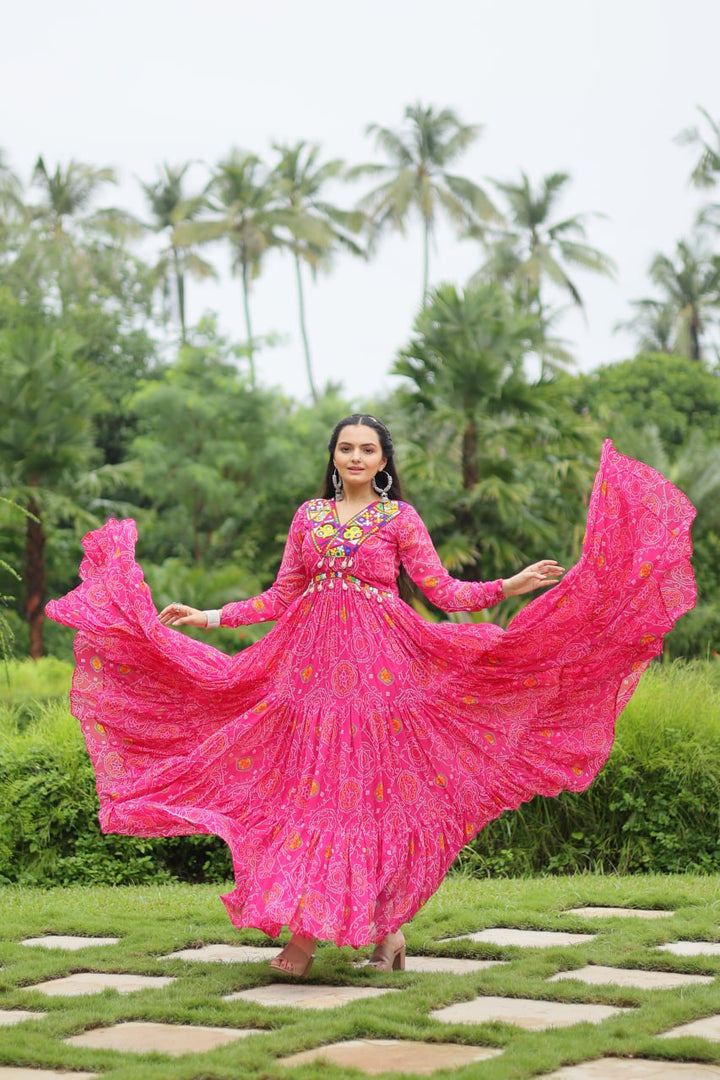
(226, 954)
(635, 1069)
(527, 939)
(597, 975)
(523, 1012)
(448, 965)
(94, 982)
(136, 1037)
(619, 913)
(306, 996)
(707, 1028)
(17, 1072)
(17, 1016)
(692, 948)
(68, 941)
(376, 1056)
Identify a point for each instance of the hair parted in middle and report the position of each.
(386, 445)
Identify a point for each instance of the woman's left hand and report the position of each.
(537, 576)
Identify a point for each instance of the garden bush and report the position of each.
(653, 808)
(49, 832)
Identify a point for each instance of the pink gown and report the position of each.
(348, 755)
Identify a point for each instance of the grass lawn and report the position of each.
(154, 920)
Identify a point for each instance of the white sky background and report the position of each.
(597, 88)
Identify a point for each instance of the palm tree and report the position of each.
(68, 192)
(417, 177)
(706, 172)
(13, 214)
(170, 206)
(654, 325)
(64, 214)
(246, 211)
(490, 453)
(467, 351)
(10, 191)
(532, 249)
(318, 227)
(690, 288)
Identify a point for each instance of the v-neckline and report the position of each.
(343, 524)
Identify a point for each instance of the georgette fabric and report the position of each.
(347, 756)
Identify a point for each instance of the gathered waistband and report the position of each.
(331, 578)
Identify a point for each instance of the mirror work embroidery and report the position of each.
(337, 541)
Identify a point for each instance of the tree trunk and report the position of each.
(248, 327)
(695, 350)
(469, 455)
(426, 260)
(303, 331)
(34, 575)
(180, 284)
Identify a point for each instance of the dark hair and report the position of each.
(386, 445)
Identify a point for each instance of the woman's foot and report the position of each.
(296, 958)
(389, 954)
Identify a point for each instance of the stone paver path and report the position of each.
(68, 941)
(444, 965)
(17, 1072)
(448, 965)
(17, 1016)
(619, 913)
(635, 1069)
(173, 1039)
(243, 954)
(375, 1056)
(226, 954)
(528, 939)
(523, 1012)
(94, 982)
(597, 975)
(707, 1028)
(307, 997)
(692, 948)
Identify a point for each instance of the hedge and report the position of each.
(654, 807)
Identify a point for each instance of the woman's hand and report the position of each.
(182, 615)
(537, 576)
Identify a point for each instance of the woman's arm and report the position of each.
(288, 585)
(422, 562)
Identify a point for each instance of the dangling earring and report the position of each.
(382, 491)
(338, 485)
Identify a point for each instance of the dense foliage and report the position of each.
(652, 809)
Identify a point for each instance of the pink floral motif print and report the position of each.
(347, 756)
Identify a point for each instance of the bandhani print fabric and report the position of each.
(347, 756)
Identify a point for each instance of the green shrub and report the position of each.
(653, 808)
(49, 832)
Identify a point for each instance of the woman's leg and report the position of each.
(296, 958)
(389, 953)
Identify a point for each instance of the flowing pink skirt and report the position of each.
(343, 817)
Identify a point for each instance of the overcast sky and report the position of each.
(597, 88)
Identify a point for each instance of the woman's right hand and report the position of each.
(182, 615)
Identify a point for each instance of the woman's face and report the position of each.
(358, 456)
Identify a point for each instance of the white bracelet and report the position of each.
(213, 618)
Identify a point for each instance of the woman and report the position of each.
(347, 756)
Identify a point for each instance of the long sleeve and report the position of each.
(288, 585)
(423, 564)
